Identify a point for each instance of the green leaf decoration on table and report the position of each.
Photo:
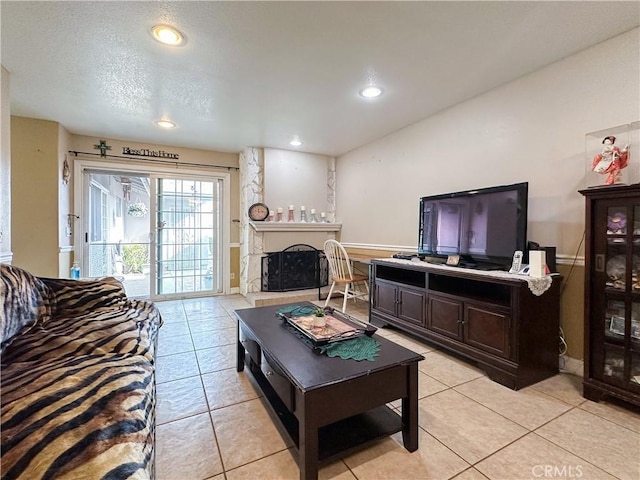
(361, 348)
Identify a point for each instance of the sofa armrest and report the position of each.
(78, 296)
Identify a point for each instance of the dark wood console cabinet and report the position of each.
(495, 322)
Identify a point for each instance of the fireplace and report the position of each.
(297, 267)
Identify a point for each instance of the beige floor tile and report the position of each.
(534, 457)
(246, 433)
(282, 466)
(187, 449)
(564, 386)
(426, 386)
(228, 387)
(527, 407)
(206, 314)
(215, 338)
(201, 302)
(448, 370)
(217, 358)
(214, 323)
(466, 427)
(410, 343)
(602, 443)
(614, 413)
(173, 345)
(175, 367)
(389, 459)
(173, 329)
(471, 474)
(171, 311)
(386, 332)
(180, 399)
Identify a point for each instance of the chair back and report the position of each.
(339, 264)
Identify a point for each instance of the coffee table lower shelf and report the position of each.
(339, 438)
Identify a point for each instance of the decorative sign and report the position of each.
(145, 152)
(103, 147)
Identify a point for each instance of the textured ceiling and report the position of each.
(257, 73)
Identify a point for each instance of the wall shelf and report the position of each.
(295, 227)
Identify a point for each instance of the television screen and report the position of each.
(485, 226)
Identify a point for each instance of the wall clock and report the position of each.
(258, 212)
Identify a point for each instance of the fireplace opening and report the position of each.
(298, 267)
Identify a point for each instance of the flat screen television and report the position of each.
(484, 226)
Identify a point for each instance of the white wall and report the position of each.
(532, 129)
(295, 178)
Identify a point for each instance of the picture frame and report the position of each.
(635, 329)
(617, 325)
(453, 260)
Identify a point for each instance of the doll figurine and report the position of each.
(611, 160)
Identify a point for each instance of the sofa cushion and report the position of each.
(71, 297)
(129, 327)
(25, 302)
(88, 416)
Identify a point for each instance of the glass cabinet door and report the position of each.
(632, 325)
(615, 342)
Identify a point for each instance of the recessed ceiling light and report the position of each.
(165, 124)
(371, 91)
(168, 35)
(295, 142)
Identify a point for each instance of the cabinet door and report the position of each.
(614, 334)
(411, 305)
(487, 328)
(385, 298)
(445, 316)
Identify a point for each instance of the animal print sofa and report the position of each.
(78, 379)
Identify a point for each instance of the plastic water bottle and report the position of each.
(75, 271)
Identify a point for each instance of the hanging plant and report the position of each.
(138, 210)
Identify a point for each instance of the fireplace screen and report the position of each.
(297, 267)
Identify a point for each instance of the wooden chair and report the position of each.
(341, 273)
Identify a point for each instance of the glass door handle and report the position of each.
(599, 262)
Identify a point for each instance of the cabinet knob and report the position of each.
(599, 262)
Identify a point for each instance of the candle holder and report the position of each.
(303, 214)
(279, 215)
(291, 213)
(313, 218)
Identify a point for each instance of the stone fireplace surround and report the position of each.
(258, 238)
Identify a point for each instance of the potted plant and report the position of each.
(138, 209)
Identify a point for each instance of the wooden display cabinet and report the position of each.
(612, 293)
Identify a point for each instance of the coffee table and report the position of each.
(328, 405)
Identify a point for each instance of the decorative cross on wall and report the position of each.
(103, 147)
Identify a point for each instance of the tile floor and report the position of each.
(470, 427)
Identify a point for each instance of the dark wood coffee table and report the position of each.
(328, 405)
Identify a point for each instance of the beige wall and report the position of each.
(65, 205)
(5, 168)
(34, 195)
(532, 129)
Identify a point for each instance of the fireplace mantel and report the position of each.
(295, 227)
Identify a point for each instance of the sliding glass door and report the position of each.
(187, 249)
(160, 235)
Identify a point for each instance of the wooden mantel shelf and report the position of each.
(295, 227)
